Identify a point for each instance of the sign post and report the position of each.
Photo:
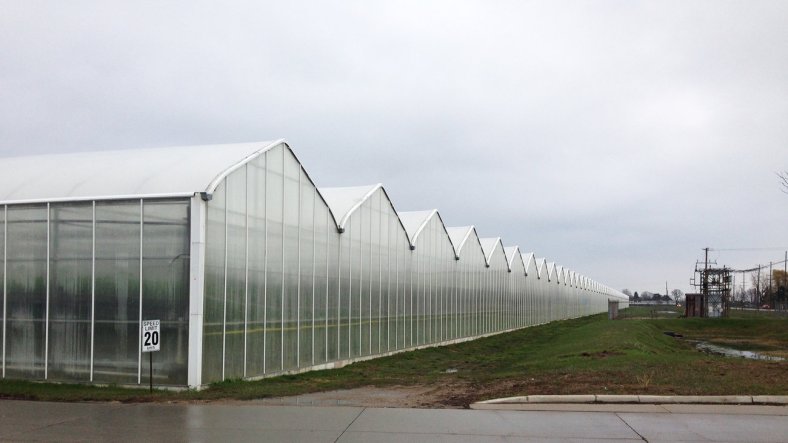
(151, 342)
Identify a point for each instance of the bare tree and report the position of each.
(783, 181)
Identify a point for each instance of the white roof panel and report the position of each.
(511, 253)
(528, 259)
(488, 246)
(132, 173)
(458, 235)
(541, 266)
(343, 201)
(413, 221)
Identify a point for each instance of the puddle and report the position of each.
(730, 352)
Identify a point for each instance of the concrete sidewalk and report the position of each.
(238, 421)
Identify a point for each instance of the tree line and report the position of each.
(675, 296)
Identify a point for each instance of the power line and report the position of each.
(749, 249)
(759, 267)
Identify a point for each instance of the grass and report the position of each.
(590, 355)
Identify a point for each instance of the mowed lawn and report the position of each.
(590, 355)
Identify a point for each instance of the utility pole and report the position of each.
(758, 286)
(771, 297)
(666, 289)
(705, 284)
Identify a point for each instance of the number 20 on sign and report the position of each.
(151, 335)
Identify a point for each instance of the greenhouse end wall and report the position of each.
(77, 279)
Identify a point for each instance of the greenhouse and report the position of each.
(251, 269)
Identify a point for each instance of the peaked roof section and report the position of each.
(551, 272)
(511, 252)
(415, 221)
(489, 245)
(344, 201)
(130, 173)
(541, 266)
(530, 260)
(459, 237)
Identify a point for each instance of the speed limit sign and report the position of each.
(151, 335)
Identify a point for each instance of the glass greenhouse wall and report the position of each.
(77, 277)
(252, 270)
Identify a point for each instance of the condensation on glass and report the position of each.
(77, 279)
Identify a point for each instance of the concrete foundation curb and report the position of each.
(644, 399)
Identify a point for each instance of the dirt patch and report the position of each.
(368, 396)
(601, 355)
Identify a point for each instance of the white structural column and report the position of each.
(298, 283)
(93, 289)
(265, 268)
(5, 278)
(196, 289)
(314, 265)
(248, 193)
(328, 274)
(46, 318)
(224, 284)
(139, 319)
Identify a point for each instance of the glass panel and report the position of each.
(357, 268)
(404, 259)
(333, 305)
(70, 276)
(384, 271)
(367, 265)
(307, 267)
(213, 311)
(411, 293)
(375, 274)
(236, 275)
(320, 280)
(345, 286)
(116, 348)
(2, 278)
(165, 286)
(433, 290)
(256, 201)
(273, 280)
(26, 291)
(292, 238)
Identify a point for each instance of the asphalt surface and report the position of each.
(42, 421)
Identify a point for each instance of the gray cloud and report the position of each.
(578, 130)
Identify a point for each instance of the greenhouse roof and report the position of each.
(511, 252)
(541, 267)
(488, 246)
(130, 173)
(458, 235)
(529, 258)
(414, 221)
(343, 201)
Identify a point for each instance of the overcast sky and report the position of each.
(617, 138)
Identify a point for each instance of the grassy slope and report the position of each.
(587, 355)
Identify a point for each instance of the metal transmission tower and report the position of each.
(714, 286)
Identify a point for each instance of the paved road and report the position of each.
(24, 421)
